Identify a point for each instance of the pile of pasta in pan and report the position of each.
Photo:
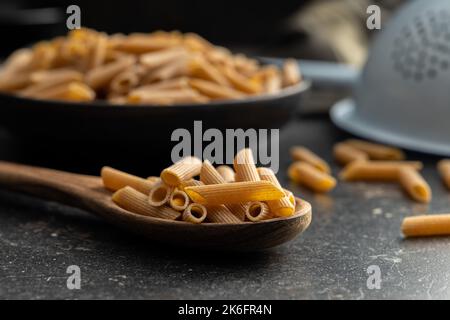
(220, 195)
(160, 68)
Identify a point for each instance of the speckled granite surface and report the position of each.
(356, 226)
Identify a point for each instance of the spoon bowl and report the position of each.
(87, 193)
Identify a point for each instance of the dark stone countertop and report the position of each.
(354, 227)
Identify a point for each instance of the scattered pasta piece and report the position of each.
(309, 176)
(377, 151)
(306, 155)
(444, 171)
(345, 154)
(426, 226)
(415, 185)
(376, 170)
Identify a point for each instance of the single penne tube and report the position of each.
(283, 207)
(56, 76)
(415, 185)
(213, 90)
(444, 171)
(160, 194)
(239, 81)
(199, 67)
(166, 97)
(182, 170)
(197, 43)
(291, 73)
(190, 183)
(126, 80)
(377, 151)
(345, 154)
(134, 201)
(290, 196)
(47, 82)
(303, 154)
(236, 192)
(172, 84)
(168, 71)
(426, 225)
(258, 211)
(226, 172)
(71, 91)
(221, 214)
(114, 180)
(158, 58)
(102, 75)
(245, 167)
(311, 177)
(143, 44)
(195, 213)
(179, 200)
(210, 175)
(376, 170)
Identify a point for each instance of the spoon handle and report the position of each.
(63, 187)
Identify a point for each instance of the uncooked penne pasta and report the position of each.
(240, 82)
(179, 200)
(160, 194)
(221, 214)
(213, 90)
(210, 175)
(13, 81)
(56, 76)
(377, 151)
(272, 80)
(345, 154)
(290, 196)
(71, 91)
(114, 180)
(153, 179)
(245, 167)
(200, 68)
(18, 61)
(166, 97)
(98, 55)
(196, 42)
(101, 76)
(426, 225)
(444, 171)
(143, 44)
(158, 58)
(134, 201)
(195, 213)
(311, 177)
(190, 183)
(414, 185)
(306, 155)
(283, 207)
(376, 170)
(168, 71)
(172, 84)
(184, 169)
(236, 192)
(126, 80)
(291, 72)
(226, 172)
(258, 211)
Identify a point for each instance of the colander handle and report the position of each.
(324, 74)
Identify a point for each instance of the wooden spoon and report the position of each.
(87, 193)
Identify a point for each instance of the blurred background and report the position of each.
(329, 30)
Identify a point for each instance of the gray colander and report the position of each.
(403, 94)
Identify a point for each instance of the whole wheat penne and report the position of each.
(195, 213)
(134, 201)
(102, 75)
(444, 171)
(245, 65)
(245, 167)
(124, 81)
(199, 67)
(377, 151)
(43, 55)
(99, 51)
(160, 194)
(239, 81)
(426, 225)
(179, 200)
(190, 183)
(114, 180)
(226, 172)
(158, 58)
(210, 175)
(376, 170)
(13, 81)
(414, 184)
(56, 76)
(166, 97)
(236, 192)
(213, 90)
(153, 179)
(220, 214)
(18, 61)
(345, 154)
(184, 169)
(140, 45)
(258, 211)
(272, 80)
(168, 71)
(291, 73)
(303, 154)
(196, 42)
(311, 177)
(172, 84)
(70, 91)
(290, 196)
(283, 207)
